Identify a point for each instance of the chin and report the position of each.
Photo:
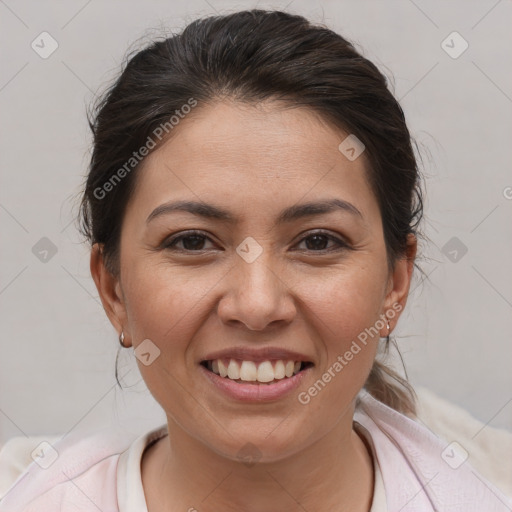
(263, 443)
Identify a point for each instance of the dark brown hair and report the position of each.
(252, 56)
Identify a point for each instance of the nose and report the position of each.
(257, 295)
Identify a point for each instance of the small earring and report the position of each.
(121, 340)
(389, 327)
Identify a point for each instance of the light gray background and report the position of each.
(57, 348)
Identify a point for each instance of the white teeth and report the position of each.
(223, 371)
(279, 370)
(265, 372)
(233, 370)
(249, 371)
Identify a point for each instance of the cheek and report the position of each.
(345, 302)
(345, 312)
(164, 302)
(166, 306)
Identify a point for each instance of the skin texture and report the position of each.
(254, 162)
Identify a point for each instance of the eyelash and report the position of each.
(169, 243)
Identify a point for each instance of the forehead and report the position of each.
(245, 155)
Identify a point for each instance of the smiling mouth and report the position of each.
(264, 372)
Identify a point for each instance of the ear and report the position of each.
(110, 291)
(399, 283)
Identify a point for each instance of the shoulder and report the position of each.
(484, 445)
(422, 470)
(78, 469)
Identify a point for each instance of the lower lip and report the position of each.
(255, 392)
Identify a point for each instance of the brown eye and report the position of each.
(318, 242)
(194, 241)
(191, 241)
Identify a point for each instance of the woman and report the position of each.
(252, 205)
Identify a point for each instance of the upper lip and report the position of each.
(257, 354)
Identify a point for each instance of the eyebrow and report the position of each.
(287, 215)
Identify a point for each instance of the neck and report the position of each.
(334, 473)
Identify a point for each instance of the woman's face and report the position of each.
(307, 282)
